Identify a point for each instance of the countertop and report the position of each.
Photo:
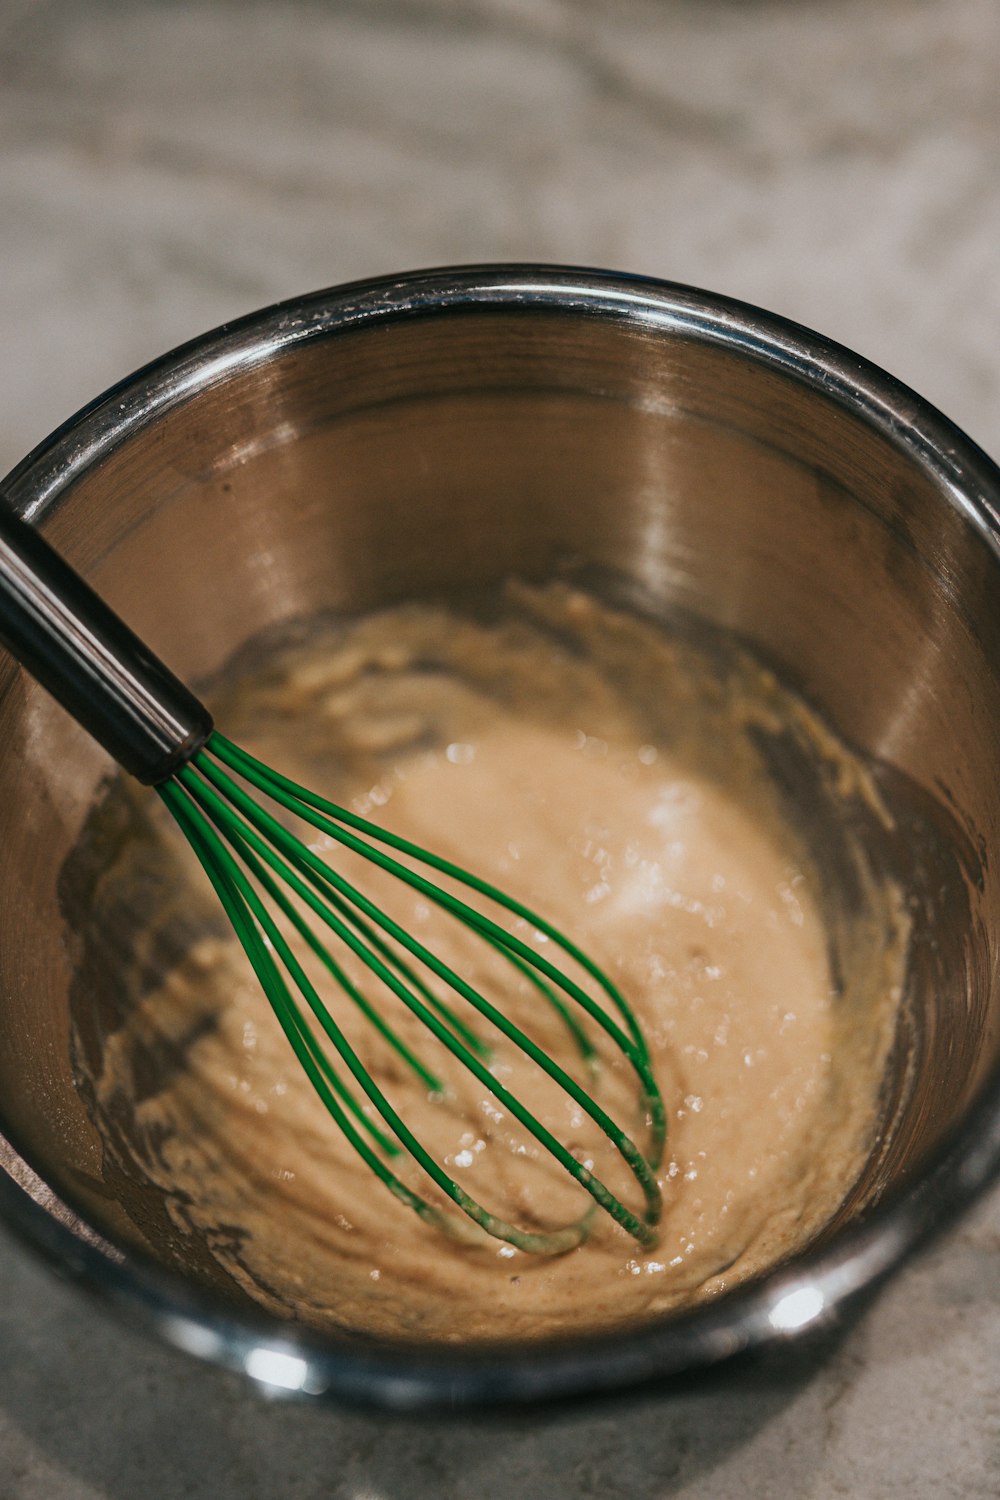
(166, 166)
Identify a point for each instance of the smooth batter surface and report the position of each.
(579, 759)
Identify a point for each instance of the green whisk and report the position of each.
(268, 879)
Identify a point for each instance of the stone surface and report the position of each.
(167, 166)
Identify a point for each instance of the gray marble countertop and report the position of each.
(165, 166)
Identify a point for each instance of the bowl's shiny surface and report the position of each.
(450, 428)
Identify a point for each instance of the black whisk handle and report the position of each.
(88, 659)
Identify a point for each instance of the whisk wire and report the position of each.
(340, 974)
(257, 932)
(234, 896)
(411, 977)
(298, 798)
(321, 875)
(328, 816)
(255, 836)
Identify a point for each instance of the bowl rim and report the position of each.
(821, 1286)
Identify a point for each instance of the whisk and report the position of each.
(268, 879)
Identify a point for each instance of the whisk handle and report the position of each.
(90, 661)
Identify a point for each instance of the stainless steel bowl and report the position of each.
(454, 427)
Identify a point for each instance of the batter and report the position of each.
(613, 779)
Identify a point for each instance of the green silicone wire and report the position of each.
(313, 866)
(343, 979)
(409, 974)
(281, 787)
(203, 795)
(275, 836)
(258, 934)
(327, 817)
(220, 869)
(222, 814)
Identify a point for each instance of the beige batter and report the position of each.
(582, 761)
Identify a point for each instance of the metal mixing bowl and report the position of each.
(402, 436)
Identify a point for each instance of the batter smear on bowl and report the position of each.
(637, 787)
